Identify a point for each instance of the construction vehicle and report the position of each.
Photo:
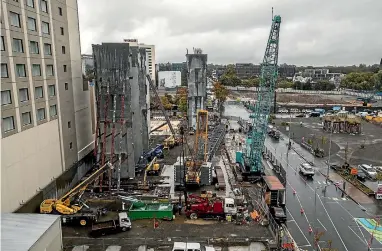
(273, 133)
(275, 198)
(204, 207)
(171, 142)
(250, 160)
(71, 207)
(122, 224)
(200, 150)
(146, 158)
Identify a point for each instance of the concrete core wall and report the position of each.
(121, 91)
(197, 85)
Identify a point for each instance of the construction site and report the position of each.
(161, 181)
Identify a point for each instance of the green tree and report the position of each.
(229, 78)
(221, 94)
(359, 81)
(285, 84)
(182, 104)
(166, 103)
(377, 78)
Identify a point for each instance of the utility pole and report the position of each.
(330, 148)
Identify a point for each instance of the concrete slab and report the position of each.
(168, 177)
(113, 248)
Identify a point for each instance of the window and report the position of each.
(44, 6)
(45, 27)
(52, 90)
(63, 49)
(8, 124)
(30, 3)
(33, 47)
(2, 44)
(18, 45)
(65, 68)
(26, 118)
(20, 70)
(49, 70)
(53, 110)
(62, 30)
(4, 70)
(6, 97)
(23, 95)
(47, 49)
(69, 124)
(66, 86)
(60, 11)
(38, 92)
(32, 24)
(15, 19)
(40, 114)
(36, 70)
(70, 145)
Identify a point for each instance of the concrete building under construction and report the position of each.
(122, 108)
(197, 84)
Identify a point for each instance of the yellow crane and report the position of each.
(64, 205)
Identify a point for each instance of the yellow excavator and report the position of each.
(65, 205)
(152, 168)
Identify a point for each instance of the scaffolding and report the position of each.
(342, 123)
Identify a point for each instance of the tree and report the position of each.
(377, 78)
(170, 98)
(221, 94)
(285, 84)
(166, 103)
(229, 78)
(182, 106)
(359, 81)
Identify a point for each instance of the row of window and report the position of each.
(26, 118)
(18, 46)
(22, 73)
(43, 5)
(6, 96)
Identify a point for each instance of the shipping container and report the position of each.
(141, 210)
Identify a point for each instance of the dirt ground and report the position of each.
(181, 229)
(371, 136)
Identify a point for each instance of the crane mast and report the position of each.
(261, 110)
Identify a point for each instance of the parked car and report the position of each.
(361, 176)
(300, 115)
(306, 169)
(368, 170)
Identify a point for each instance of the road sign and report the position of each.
(354, 171)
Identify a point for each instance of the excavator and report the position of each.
(70, 204)
(153, 168)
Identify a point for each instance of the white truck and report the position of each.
(122, 224)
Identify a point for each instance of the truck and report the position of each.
(275, 198)
(190, 246)
(214, 208)
(122, 224)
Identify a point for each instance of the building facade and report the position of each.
(150, 55)
(47, 111)
(182, 67)
(87, 62)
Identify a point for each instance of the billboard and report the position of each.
(169, 79)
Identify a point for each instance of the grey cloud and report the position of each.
(312, 32)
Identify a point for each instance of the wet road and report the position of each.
(332, 215)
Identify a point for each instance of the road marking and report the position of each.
(298, 226)
(322, 224)
(358, 235)
(80, 248)
(334, 226)
(113, 248)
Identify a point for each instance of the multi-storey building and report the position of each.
(150, 55)
(87, 62)
(182, 67)
(47, 111)
(287, 71)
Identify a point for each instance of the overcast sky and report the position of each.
(313, 32)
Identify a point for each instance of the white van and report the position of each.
(190, 246)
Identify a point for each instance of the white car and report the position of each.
(306, 169)
(190, 246)
(369, 171)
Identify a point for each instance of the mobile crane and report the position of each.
(67, 205)
(250, 160)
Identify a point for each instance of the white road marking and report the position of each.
(358, 235)
(322, 224)
(298, 227)
(113, 248)
(80, 248)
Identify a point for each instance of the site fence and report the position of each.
(139, 243)
(278, 168)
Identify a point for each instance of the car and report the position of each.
(300, 115)
(278, 214)
(306, 169)
(368, 170)
(361, 176)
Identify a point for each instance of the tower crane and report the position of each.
(250, 160)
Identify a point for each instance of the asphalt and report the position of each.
(333, 215)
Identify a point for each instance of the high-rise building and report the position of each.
(150, 55)
(87, 62)
(47, 110)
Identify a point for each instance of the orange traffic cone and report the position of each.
(310, 230)
(302, 211)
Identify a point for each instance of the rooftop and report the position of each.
(20, 232)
